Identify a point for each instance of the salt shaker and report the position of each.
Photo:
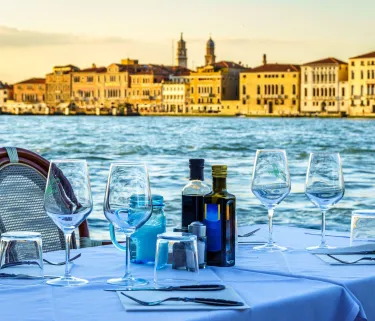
(199, 229)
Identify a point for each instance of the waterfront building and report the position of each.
(271, 88)
(146, 87)
(181, 55)
(30, 91)
(210, 57)
(210, 85)
(6, 93)
(324, 86)
(59, 86)
(362, 84)
(86, 89)
(176, 95)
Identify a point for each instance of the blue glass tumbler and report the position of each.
(143, 241)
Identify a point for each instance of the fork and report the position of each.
(366, 258)
(217, 302)
(250, 233)
(62, 263)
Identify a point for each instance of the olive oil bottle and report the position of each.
(220, 220)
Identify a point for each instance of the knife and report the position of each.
(26, 277)
(347, 253)
(202, 287)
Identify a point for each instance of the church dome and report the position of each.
(210, 43)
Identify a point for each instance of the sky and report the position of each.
(36, 35)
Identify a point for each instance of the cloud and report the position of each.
(13, 37)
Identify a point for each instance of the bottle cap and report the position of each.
(197, 228)
(196, 169)
(219, 171)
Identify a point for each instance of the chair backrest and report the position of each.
(23, 176)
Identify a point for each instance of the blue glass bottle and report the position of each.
(143, 241)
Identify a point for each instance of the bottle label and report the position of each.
(212, 221)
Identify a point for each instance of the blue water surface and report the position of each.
(165, 144)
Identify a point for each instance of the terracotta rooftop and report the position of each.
(227, 64)
(67, 66)
(329, 60)
(368, 55)
(94, 69)
(275, 68)
(32, 81)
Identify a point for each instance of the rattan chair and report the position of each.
(23, 176)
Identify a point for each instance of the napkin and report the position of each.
(226, 294)
(350, 249)
(352, 253)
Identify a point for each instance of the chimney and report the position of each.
(264, 59)
(93, 65)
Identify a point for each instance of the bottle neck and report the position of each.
(219, 184)
(196, 174)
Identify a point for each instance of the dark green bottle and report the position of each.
(220, 220)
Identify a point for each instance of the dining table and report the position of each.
(280, 286)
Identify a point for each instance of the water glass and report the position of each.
(68, 202)
(324, 186)
(362, 227)
(270, 184)
(176, 261)
(127, 206)
(21, 258)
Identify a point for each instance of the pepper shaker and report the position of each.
(199, 229)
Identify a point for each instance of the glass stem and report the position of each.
(68, 237)
(270, 217)
(323, 240)
(127, 258)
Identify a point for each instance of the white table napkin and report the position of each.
(226, 294)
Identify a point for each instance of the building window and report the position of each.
(258, 90)
(294, 89)
(90, 79)
(282, 90)
(352, 76)
(305, 92)
(258, 76)
(305, 77)
(352, 90)
(243, 90)
(361, 74)
(76, 79)
(258, 101)
(352, 63)
(293, 102)
(343, 92)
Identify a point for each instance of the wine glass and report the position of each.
(271, 184)
(68, 202)
(127, 206)
(324, 186)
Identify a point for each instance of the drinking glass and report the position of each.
(21, 258)
(362, 227)
(68, 202)
(127, 206)
(324, 186)
(271, 184)
(176, 259)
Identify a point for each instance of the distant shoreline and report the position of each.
(196, 115)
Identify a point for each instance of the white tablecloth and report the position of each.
(270, 296)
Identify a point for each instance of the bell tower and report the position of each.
(181, 55)
(210, 52)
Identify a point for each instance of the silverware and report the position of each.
(216, 302)
(26, 277)
(250, 233)
(62, 263)
(202, 287)
(347, 253)
(352, 262)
